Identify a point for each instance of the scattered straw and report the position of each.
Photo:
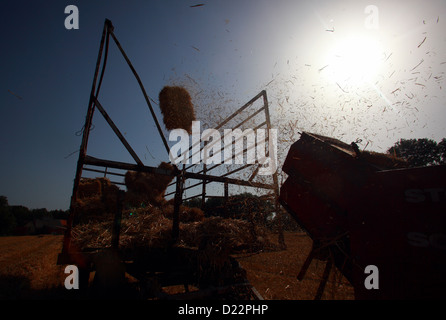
(149, 227)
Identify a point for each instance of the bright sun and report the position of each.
(354, 60)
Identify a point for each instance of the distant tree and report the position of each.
(21, 214)
(193, 203)
(420, 152)
(214, 207)
(58, 214)
(442, 150)
(244, 205)
(7, 220)
(3, 202)
(39, 213)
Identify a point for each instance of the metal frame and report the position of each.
(181, 175)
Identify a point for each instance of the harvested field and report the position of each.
(28, 267)
(28, 270)
(274, 273)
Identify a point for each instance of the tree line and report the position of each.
(420, 152)
(12, 217)
(245, 206)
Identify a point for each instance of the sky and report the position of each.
(334, 68)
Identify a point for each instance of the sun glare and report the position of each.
(355, 60)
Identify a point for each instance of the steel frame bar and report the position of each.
(160, 131)
(189, 175)
(117, 132)
(105, 172)
(222, 148)
(88, 121)
(229, 118)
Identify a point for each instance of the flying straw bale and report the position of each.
(177, 108)
(145, 188)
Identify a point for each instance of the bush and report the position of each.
(7, 219)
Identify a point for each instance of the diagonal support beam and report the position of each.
(117, 132)
(143, 91)
(88, 121)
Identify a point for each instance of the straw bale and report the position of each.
(136, 200)
(147, 188)
(193, 214)
(96, 199)
(186, 214)
(177, 108)
(89, 208)
(109, 195)
(89, 188)
(232, 235)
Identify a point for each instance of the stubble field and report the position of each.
(28, 270)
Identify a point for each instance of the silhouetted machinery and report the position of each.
(369, 209)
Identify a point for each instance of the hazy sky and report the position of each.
(325, 69)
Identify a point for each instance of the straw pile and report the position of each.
(215, 238)
(144, 188)
(149, 227)
(186, 214)
(96, 199)
(176, 107)
(140, 230)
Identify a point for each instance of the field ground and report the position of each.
(273, 274)
(28, 270)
